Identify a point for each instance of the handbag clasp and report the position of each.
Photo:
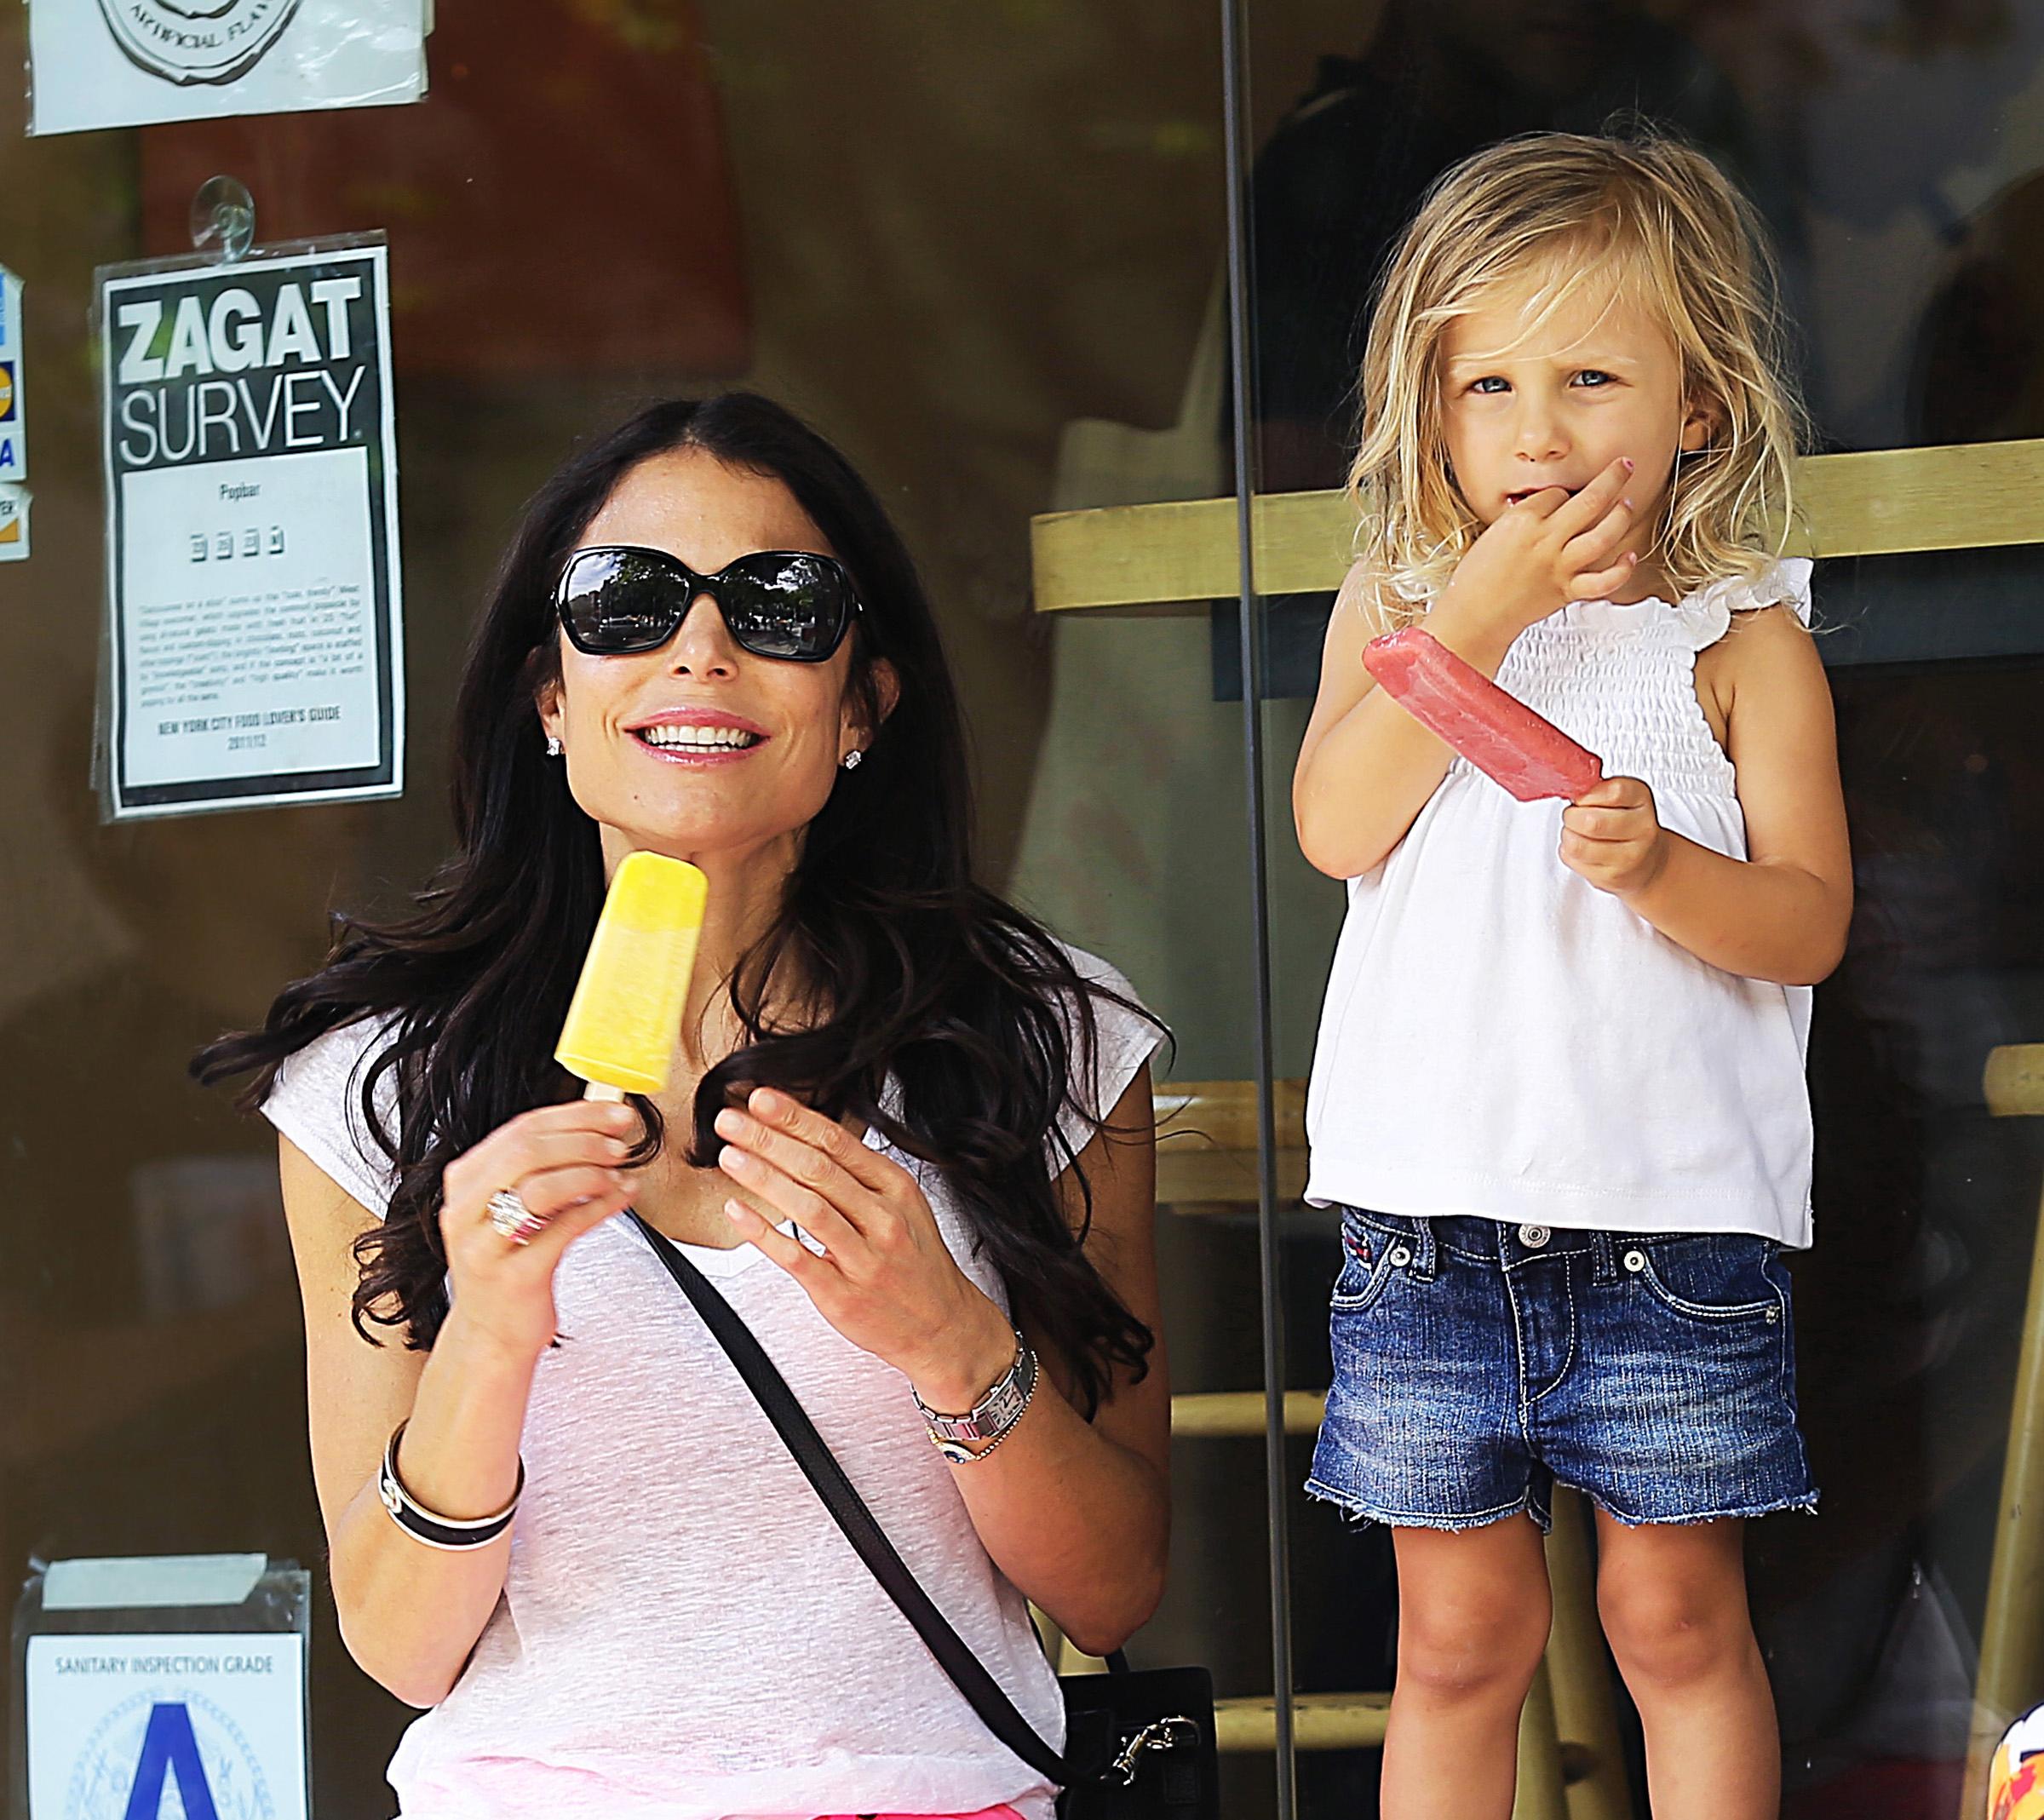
(1177, 1733)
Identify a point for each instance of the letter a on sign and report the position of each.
(169, 1749)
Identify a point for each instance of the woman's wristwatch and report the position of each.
(987, 1423)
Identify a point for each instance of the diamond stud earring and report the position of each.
(554, 747)
(852, 760)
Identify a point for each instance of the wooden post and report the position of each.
(1586, 1703)
(1542, 1795)
(2012, 1634)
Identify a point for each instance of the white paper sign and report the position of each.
(256, 627)
(200, 1725)
(106, 63)
(14, 409)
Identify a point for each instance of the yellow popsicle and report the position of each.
(626, 1015)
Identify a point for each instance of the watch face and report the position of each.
(992, 1417)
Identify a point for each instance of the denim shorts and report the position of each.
(1476, 1364)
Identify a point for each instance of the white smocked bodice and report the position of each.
(1622, 680)
(1502, 1038)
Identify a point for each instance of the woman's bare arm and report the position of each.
(1075, 1513)
(411, 1614)
(1078, 1515)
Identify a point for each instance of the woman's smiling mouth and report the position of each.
(694, 737)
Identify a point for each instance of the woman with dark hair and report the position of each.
(912, 1147)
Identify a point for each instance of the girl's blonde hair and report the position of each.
(1558, 211)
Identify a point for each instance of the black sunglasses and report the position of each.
(617, 599)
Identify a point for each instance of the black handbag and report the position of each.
(1139, 1744)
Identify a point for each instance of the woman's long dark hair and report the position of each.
(915, 976)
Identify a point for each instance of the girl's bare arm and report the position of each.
(1782, 913)
(1366, 767)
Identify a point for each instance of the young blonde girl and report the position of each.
(1558, 1091)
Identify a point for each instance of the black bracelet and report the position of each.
(429, 1526)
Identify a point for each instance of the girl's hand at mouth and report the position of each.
(1545, 550)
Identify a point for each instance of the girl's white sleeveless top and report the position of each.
(684, 1633)
(1502, 1038)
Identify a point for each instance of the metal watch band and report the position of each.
(989, 1420)
(429, 1526)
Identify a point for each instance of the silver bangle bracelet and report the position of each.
(429, 1526)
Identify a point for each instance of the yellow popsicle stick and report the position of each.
(625, 1019)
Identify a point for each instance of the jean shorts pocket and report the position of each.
(1369, 1259)
(1709, 1275)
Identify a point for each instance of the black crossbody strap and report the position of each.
(819, 1466)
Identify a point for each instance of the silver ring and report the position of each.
(511, 1219)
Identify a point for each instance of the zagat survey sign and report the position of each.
(254, 617)
(202, 379)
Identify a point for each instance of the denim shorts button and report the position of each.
(1635, 1261)
(1533, 1237)
(1401, 1257)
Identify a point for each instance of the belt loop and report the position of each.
(1603, 1261)
(1422, 1265)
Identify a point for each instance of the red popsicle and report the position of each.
(1496, 731)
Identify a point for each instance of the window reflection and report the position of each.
(1893, 149)
(1910, 1305)
(1898, 151)
(152, 1398)
(1437, 80)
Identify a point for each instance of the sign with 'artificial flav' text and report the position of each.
(108, 63)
